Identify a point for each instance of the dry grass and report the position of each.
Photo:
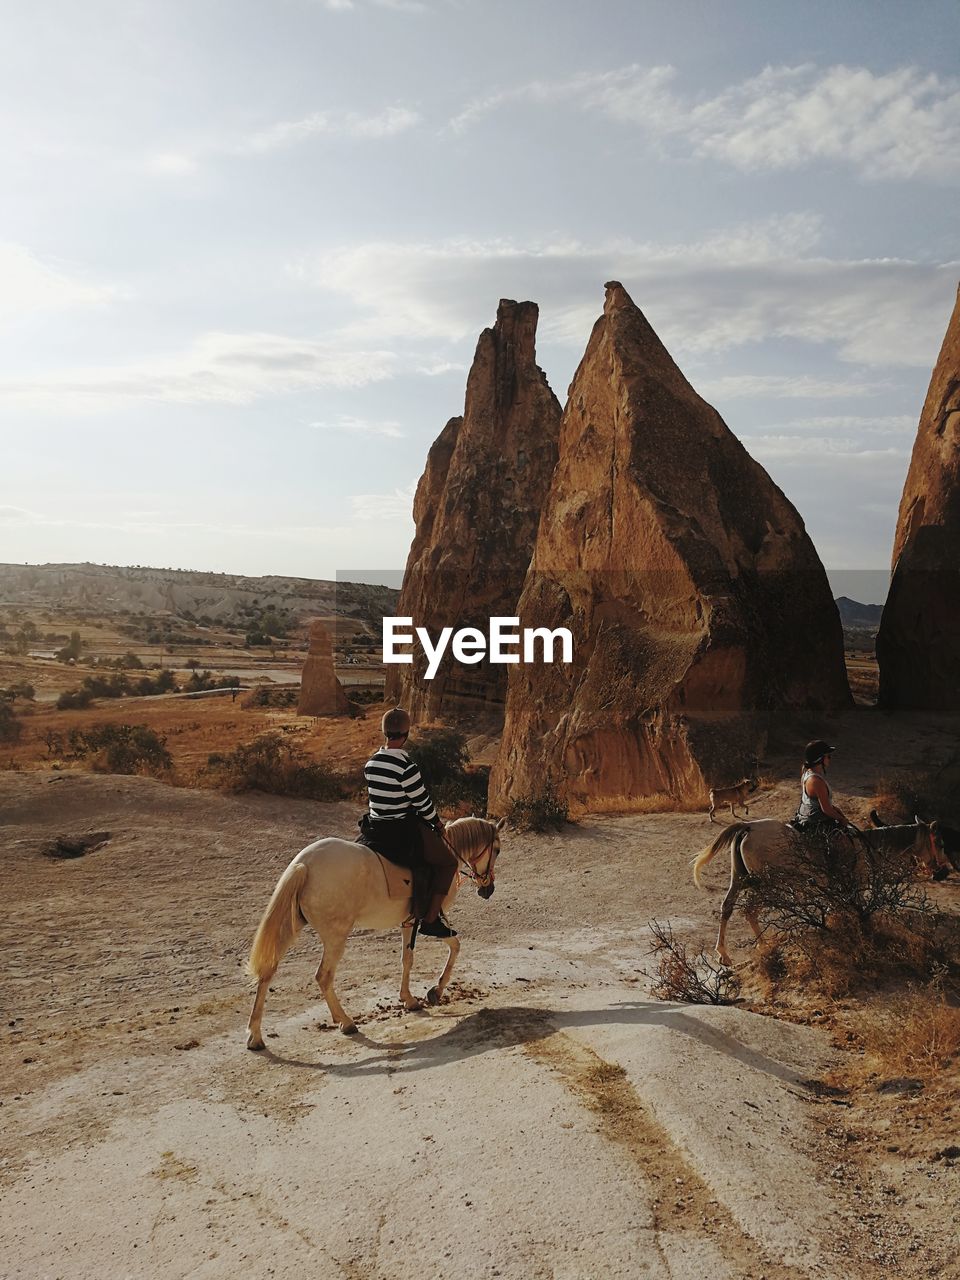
(847, 959)
(915, 1033)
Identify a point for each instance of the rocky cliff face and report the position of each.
(918, 645)
(698, 606)
(321, 693)
(476, 510)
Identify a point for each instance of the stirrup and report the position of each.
(437, 928)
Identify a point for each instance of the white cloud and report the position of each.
(284, 135)
(220, 368)
(397, 505)
(801, 386)
(361, 426)
(811, 450)
(29, 285)
(326, 124)
(744, 285)
(173, 164)
(900, 124)
(401, 6)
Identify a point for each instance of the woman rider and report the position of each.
(817, 812)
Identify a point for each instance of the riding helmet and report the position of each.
(815, 751)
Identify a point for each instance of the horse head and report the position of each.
(476, 842)
(931, 853)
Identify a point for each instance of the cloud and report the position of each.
(801, 386)
(900, 124)
(397, 505)
(220, 368)
(29, 285)
(284, 135)
(361, 426)
(326, 124)
(814, 450)
(401, 6)
(743, 285)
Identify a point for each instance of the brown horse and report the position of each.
(338, 886)
(756, 846)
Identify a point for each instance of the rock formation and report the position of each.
(698, 606)
(321, 693)
(918, 645)
(476, 511)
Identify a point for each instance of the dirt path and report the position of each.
(550, 1121)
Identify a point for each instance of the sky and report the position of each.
(247, 247)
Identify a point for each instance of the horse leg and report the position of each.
(726, 911)
(750, 913)
(407, 999)
(435, 994)
(254, 1032)
(712, 812)
(332, 952)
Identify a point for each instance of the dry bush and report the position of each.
(692, 979)
(932, 793)
(843, 925)
(273, 764)
(542, 812)
(913, 1033)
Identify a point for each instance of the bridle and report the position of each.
(468, 865)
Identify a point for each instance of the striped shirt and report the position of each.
(395, 786)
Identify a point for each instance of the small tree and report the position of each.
(72, 649)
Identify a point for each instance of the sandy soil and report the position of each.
(550, 1120)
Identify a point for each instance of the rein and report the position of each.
(468, 866)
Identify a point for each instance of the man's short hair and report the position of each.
(395, 723)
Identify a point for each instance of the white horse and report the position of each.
(754, 846)
(338, 886)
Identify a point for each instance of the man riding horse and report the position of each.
(403, 824)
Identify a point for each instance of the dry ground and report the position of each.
(551, 1120)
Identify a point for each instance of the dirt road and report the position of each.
(551, 1120)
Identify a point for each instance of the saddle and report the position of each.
(397, 846)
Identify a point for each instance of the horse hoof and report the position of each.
(433, 996)
(413, 1006)
(255, 1044)
(349, 1028)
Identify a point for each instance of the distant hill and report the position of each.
(212, 598)
(860, 616)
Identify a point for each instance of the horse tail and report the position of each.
(281, 923)
(727, 840)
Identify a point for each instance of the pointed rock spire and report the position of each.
(476, 510)
(698, 606)
(918, 645)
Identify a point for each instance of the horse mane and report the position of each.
(470, 835)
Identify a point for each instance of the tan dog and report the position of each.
(732, 796)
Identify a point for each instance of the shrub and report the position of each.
(693, 979)
(542, 812)
(915, 1033)
(269, 695)
(931, 794)
(19, 690)
(74, 700)
(10, 726)
(845, 924)
(444, 763)
(273, 764)
(121, 748)
(71, 650)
